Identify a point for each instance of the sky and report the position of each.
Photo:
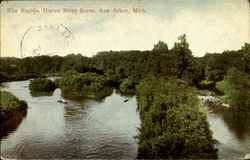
(210, 26)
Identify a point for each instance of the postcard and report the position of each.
(131, 79)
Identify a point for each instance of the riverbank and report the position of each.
(230, 127)
(80, 129)
(11, 106)
(12, 112)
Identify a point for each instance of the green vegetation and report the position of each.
(216, 65)
(173, 124)
(90, 85)
(11, 106)
(42, 85)
(236, 86)
(223, 87)
(12, 113)
(134, 65)
(127, 86)
(206, 83)
(229, 73)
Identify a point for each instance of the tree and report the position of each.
(161, 47)
(173, 124)
(238, 89)
(185, 59)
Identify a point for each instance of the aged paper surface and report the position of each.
(62, 27)
(69, 32)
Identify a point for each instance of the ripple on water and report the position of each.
(79, 129)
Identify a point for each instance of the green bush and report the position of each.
(173, 123)
(42, 85)
(91, 85)
(236, 86)
(127, 86)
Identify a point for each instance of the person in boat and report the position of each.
(61, 100)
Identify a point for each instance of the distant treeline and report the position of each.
(178, 62)
(215, 66)
(163, 79)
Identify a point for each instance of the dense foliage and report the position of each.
(42, 85)
(127, 86)
(231, 71)
(11, 106)
(173, 124)
(91, 85)
(217, 65)
(134, 65)
(236, 86)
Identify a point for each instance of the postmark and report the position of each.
(48, 39)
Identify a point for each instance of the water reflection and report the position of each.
(12, 124)
(79, 129)
(237, 122)
(231, 129)
(39, 94)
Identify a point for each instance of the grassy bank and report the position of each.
(11, 106)
(223, 87)
(235, 87)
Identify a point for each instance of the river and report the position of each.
(101, 129)
(231, 129)
(79, 129)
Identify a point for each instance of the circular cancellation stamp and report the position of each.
(45, 40)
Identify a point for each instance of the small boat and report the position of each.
(62, 101)
(247, 156)
(125, 100)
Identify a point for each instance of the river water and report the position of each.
(79, 129)
(231, 129)
(101, 129)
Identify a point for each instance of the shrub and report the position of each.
(91, 85)
(127, 86)
(236, 86)
(173, 124)
(43, 85)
